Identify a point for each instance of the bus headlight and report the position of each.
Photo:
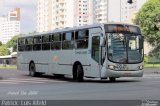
(141, 67)
(112, 67)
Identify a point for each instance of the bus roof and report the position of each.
(76, 28)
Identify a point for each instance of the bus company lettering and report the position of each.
(81, 52)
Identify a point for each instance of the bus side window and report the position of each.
(67, 40)
(21, 44)
(37, 43)
(81, 38)
(46, 45)
(29, 44)
(56, 41)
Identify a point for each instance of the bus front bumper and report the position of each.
(113, 73)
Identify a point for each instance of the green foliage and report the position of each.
(148, 18)
(145, 59)
(12, 43)
(34, 32)
(4, 51)
(1, 43)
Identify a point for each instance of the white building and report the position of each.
(63, 13)
(116, 10)
(101, 11)
(128, 11)
(9, 25)
(83, 12)
(54, 14)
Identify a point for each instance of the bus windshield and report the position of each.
(125, 47)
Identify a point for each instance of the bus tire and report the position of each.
(112, 79)
(79, 72)
(32, 71)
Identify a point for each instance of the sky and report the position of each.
(114, 10)
(28, 12)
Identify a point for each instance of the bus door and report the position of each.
(97, 54)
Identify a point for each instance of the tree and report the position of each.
(12, 43)
(4, 51)
(1, 43)
(34, 32)
(148, 18)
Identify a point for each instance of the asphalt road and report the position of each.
(18, 85)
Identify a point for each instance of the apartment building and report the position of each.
(52, 14)
(100, 11)
(9, 25)
(83, 12)
(63, 14)
(116, 10)
(128, 11)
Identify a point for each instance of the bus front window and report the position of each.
(134, 50)
(124, 48)
(117, 47)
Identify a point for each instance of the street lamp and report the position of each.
(130, 1)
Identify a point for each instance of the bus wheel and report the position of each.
(112, 79)
(79, 72)
(32, 70)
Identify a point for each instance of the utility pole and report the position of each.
(120, 10)
(107, 10)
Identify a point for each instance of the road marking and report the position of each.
(21, 81)
(151, 76)
(37, 79)
(8, 83)
(47, 80)
(28, 80)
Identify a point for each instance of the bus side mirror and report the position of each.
(102, 40)
(141, 42)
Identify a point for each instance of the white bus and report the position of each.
(102, 51)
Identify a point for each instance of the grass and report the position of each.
(8, 66)
(152, 65)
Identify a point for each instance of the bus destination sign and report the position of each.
(122, 28)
